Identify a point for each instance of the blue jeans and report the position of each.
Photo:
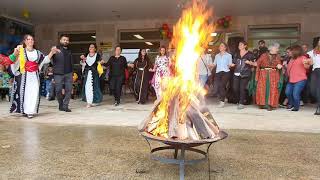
(203, 79)
(48, 87)
(293, 92)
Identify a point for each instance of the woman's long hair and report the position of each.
(95, 46)
(317, 48)
(297, 51)
(225, 45)
(146, 57)
(25, 38)
(163, 47)
(244, 43)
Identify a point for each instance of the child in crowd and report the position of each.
(49, 79)
(5, 83)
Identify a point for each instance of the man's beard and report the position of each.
(64, 45)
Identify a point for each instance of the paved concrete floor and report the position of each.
(41, 151)
(130, 114)
(93, 144)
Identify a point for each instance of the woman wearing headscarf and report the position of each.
(268, 78)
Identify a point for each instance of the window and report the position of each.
(132, 41)
(285, 35)
(142, 35)
(130, 54)
(11, 34)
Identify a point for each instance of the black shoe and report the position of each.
(317, 111)
(61, 107)
(294, 109)
(116, 103)
(142, 102)
(289, 107)
(282, 106)
(67, 110)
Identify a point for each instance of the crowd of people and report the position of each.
(264, 78)
(260, 77)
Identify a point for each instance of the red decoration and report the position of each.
(165, 26)
(228, 18)
(165, 31)
(169, 35)
(224, 22)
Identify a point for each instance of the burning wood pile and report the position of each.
(181, 112)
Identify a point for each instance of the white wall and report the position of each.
(47, 34)
(310, 26)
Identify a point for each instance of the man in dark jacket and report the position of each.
(62, 69)
(262, 47)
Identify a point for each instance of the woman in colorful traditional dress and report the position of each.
(26, 87)
(91, 84)
(161, 69)
(268, 78)
(141, 82)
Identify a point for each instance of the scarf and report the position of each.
(31, 66)
(22, 59)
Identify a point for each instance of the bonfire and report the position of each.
(181, 113)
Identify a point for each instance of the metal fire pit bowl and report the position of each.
(183, 146)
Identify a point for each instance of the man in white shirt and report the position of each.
(315, 76)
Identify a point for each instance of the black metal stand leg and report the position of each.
(209, 168)
(183, 147)
(175, 153)
(182, 159)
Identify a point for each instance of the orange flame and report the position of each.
(191, 35)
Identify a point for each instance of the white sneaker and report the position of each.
(29, 116)
(240, 106)
(301, 103)
(221, 105)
